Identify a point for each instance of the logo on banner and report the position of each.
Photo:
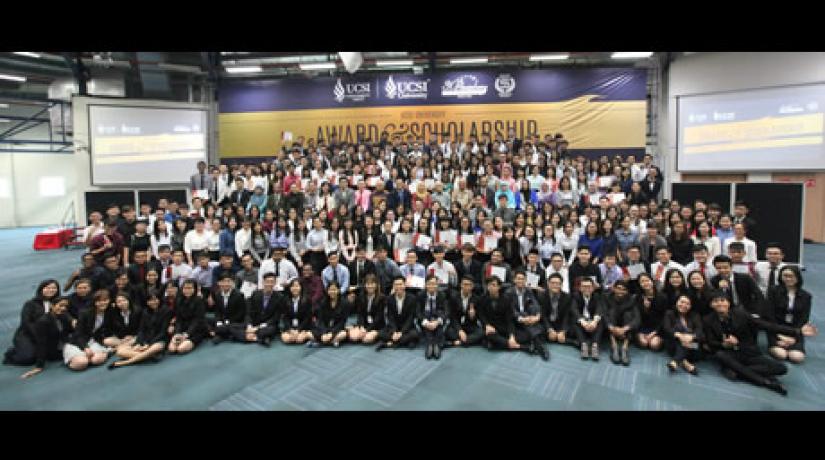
(505, 84)
(465, 86)
(412, 89)
(358, 91)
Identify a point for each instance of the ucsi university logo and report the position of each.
(406, 89)
(358, 91)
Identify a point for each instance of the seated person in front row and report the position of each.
(465, 327)
(86, 345)
(430, 316)
(497, 318)
(400, 317)
(297, 314)
(230, 310)
(556, 309)
(730, 335)
(652, 306)
(622, 321)
(581, 268)
(587, 317)
(122, 321)
(265, 306)
(369, 306)
(529, 331)
(683, 334)
(152, 334)
(190, 320)
(788, 305)
(51, 333)
(741, 289)
(331, 320)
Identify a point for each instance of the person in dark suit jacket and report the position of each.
(682, 330)
(747, 295)
(51, 331)
(582, 268)
(359, 269)
(191, 326)
(529, 328)
(556, 306)
(264, 314)
(497, 317)
(370, 305)
(464, 328)
(789, 305)
(230, 309)
(400, 317)
(399, 196)
(152, 334)
(296, 311)
(431, 315)
(652, 306)
(330, 325)
(469, 266)
(121, 322)
(588, 319)
(730, 336)
(622, 321)
(23, 349)
(85, 347)
(240, 195)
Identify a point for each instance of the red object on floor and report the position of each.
(52, 239)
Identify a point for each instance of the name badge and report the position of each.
(369, 319)
(789, 318)
(295, 322)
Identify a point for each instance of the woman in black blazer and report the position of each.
(152, 333)
(330, 326)
(510, 248)
(150, 281)
(789, 305)
(51, 332)
(81, 298)
(122, 322)
(699, 293)
(190, 324)
(296, 314)
(369, 306)
(23, 349)
(652, 306)
(683, 335)
(674, 286)
(86, 345)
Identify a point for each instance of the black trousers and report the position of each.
(228, 331)
(237, 332)
(434, 337)
(753, 368)
(589, 337)
(21, 353)
(497, 340)
(407, 337)
(679, 352)
(474, 336)
(530, 334)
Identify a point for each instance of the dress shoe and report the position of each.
(428, 353)
(625, 357)
(585, 352)
(436, 351)
(774, 385)
(266, 341)
(594, 352)
(614, 356)
(545, 355)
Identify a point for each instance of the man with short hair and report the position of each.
(739, 236)
(583, 268)
(283, 268)
(401, 313)
(201, 180)
(497, 317)
(587, 318)
(700, 262)
(660, 268)
(431, 316)
(497, 260)
(555, 309)
(335, 272)
(468, 266)
(230, 310)
(529, 330)
(767, 272)
(109, 243)
(385, 269)
(464, 328)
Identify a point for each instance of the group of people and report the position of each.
(509, 244)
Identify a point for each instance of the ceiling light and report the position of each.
(4, 76)
(631, 54)
(4, 120)
(4, 106)
(180, 67)
(244, 69)
(27, 53)
(478, 60)
(318, 66)
(395, 63)
(549, 57)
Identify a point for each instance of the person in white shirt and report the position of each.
(703, 236)
(243, 238)
(177, 271)
(196, 241)
(440, 268)
(284, 269)
(659, 268)
(701, 262)
(767, 272)
(750, 245)
(557, 266)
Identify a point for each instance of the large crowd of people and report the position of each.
(506, 243)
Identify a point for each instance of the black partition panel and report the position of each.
(777, 210)
(711, 192)
(100, 201)
(151, 197)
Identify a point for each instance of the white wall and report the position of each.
(711, 72)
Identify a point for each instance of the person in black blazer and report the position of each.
(81, 298)
(556, 306)
(264, 314)
(296, 311)
(623, 321)
(51, 332)
(23, 350)
(464, 328)
(400, 317)
(470, 266)
(533, 265)
(152, 334)
(86, 345)
(359, 269)
(529, 329)
(230, 309)
(748, 294)
(789, 305)
(122, 322)
(652, 306)
(497, 317)
(588, 319)
(370, 305)
(431, 315)
(730, 336)
(240, 195)
(330, 325)
(190, 319)
(682, 330)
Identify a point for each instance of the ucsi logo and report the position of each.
(406, 89)
(357, 91)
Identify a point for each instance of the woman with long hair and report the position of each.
(297, 315)
(699, 293)
(331, 318)
(121, 322)
(674, 286)
(24, 344)
(52, 331)
(788, 305)
(190, 320)
(683, 335)
(652, 307)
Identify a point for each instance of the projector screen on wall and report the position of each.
(774, 129)
(145, 145)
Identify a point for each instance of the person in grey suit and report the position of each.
(344, 194)
(202, 180)
(650, 242)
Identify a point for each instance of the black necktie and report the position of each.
(335, 274)
(358, 272)
(277, 269)
(772, 278)
(203, 185)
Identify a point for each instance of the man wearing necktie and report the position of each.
(201, 180)
(432, 306)
(264, 314)
(529, 330)
(588, 311)
(335, 272)
(767, 272)
(741, 289)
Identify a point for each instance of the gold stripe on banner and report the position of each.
(586, 124)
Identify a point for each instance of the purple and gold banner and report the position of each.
(595, 109)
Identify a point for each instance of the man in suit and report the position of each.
(431, 316)
(534, 267)
(137, 270)
(529, 329)
(401, 312)
(240, 195)
(202, 180)
(556, 306)
(488, 196)
(700, 262)
(587, 317)
(468, 266)
(649, 242)
(265, 308)
(385, 268)
(230, 309)
(344, 195)
(497, 317)
(359, 269)
(464, 328)
(767, 272)
(583, 268)
(741, 289)
(399, 196)
(740, 216)
(219, 190)
(497, 260)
